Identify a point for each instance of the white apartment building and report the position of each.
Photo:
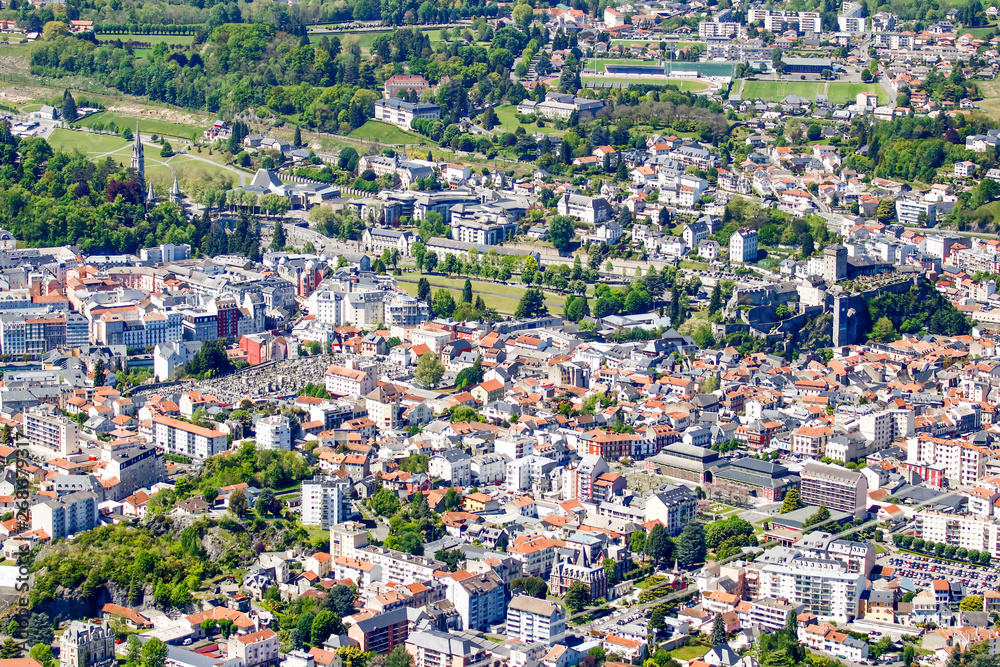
(399, 566)
(174, 436)
(743, 246)
(256, 648)
(772, 614)
(66, 515)
(713, 30)
(822, 587)
(914, 211)
(274, 432)
(44, 428)
(346, 538)
(326, 501)
(851, 18)
(432, 648)
(594, 210)
(352, 382)
(401, 113)
(532, 620)
(971, 532)
(878, 428)
(964, 463)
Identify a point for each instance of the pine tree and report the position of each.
(716, 301)
(298, 137)
(718, 631)
(691, 547)
(792, 502)
(467, 291)
(68, 107)
(279, 241)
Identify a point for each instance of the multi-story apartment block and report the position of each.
(970, 532)
(833, 487)
(379, 633)
(326, 501)
(594, 210)
(274, 432)
(811, 441)
(743, 246)
(964, 463)
(402, 113)
(256, 648)
(532, 620)
(914, 211)
(433, 648)
(822, 587)
(54, 432)
(66, 515)
(399, 566)
(346, 538)
(352, 382)
(714, 30)
(87, 644)
(772, 614)
(480, 599)
(134, 467)
(174, 436)
(674, 508)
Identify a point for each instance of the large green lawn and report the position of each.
(365, 39)
(842, 92)
(689, 652)
(159, 170)
(152, 39)
(148, 126)
(838, 92)
(384, 133)
(507, 115)
(502, 297)
(85, 142)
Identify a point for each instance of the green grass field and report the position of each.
(502, 297)
(842, 92)
(160, 170)
(684, 85)
(85, 142)
(152, 39)
(689, 652)
(384, 133)
(507, 115)
(148, 126)
(980, 33)
(365, 39)
(602, 63)
(644, 42)
(838, 92)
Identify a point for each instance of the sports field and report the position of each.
(838, 92)
(842, 92)
(684, 85)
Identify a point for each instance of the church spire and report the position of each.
(138, 160)
(150, 197)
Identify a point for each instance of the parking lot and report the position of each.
(924, 569)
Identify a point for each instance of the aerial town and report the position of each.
(384, 333)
